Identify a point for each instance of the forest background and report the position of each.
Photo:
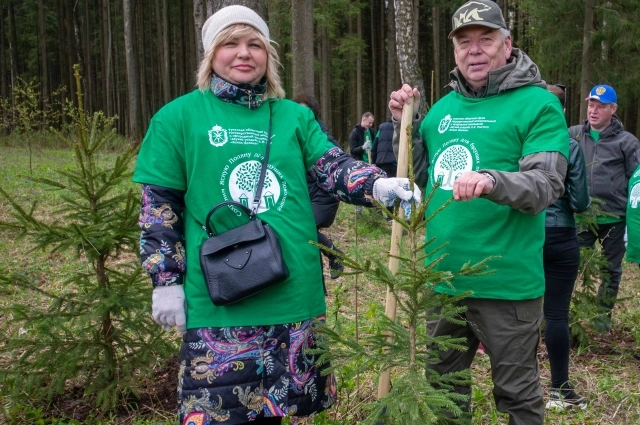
(137, 55)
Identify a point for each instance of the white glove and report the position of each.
(388, 190)
(366, 145)
(167, 307)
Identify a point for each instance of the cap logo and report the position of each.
(600, 91)
(471, 13)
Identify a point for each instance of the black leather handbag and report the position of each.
(245, 260)
(242, 261)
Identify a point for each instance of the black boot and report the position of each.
(606, 301)
(335, 267)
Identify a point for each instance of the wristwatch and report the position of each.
(493, 179)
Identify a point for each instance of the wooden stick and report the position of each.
(384, 384)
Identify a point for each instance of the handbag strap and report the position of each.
(263, 171)
(256, 199)
(243, 208)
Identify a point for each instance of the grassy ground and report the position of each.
(605, 372)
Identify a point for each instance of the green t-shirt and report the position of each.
(469, 134)
(595, 135)
(213, 150)
(633, 218)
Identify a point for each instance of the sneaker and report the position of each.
(636, 356)
(565, 399)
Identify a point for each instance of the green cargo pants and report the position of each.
(510, 332)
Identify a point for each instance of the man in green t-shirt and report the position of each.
(499, 142)
(611, 155)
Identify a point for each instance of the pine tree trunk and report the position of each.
(353, 111)
(407, 49)
(435, 13)
(325, 80)
(166, 83)
(585, 81)
(13, 49)
(393, 83)
(3, 75)
(373, 30)
(358, 93)
(199, 17)
(133, 88)
(89, 74)
(139, 30)
(42, 41)
(302, 46)
(107, 58)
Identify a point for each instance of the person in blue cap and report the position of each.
(614, 155)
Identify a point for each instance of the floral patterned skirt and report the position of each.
(234, 375)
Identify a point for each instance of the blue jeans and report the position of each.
(561, 255)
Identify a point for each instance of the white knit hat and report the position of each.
(228, 16)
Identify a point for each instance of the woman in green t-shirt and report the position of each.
(249, 361)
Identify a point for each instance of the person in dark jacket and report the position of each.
(614, 155)
(561, 256)
(360, 138)
(382, 152)
(325, 207)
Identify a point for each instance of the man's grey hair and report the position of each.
(503, 31)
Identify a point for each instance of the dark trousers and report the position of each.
(561, 255)
(390, 169)
(509, 331)
(324, 240)
(611, 238)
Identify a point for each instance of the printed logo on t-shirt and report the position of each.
(240, 176)
(634, 196)
(218, 136)
(444, 124)
(463, 124)
(454, 158)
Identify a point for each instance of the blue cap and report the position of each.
(603, 93)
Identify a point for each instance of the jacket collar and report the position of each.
(614, 128)
(519, 71)
(251, 95)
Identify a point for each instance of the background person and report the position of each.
(325, 206)
(360, 138)
(508, 170)
(246, 362)
(633, 223)
(382, 152)
(613, 155)
(561, 255)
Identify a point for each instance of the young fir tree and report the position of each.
(586, 312)
(403, 345)
(95, 333)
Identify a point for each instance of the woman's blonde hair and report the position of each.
(274, 85)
